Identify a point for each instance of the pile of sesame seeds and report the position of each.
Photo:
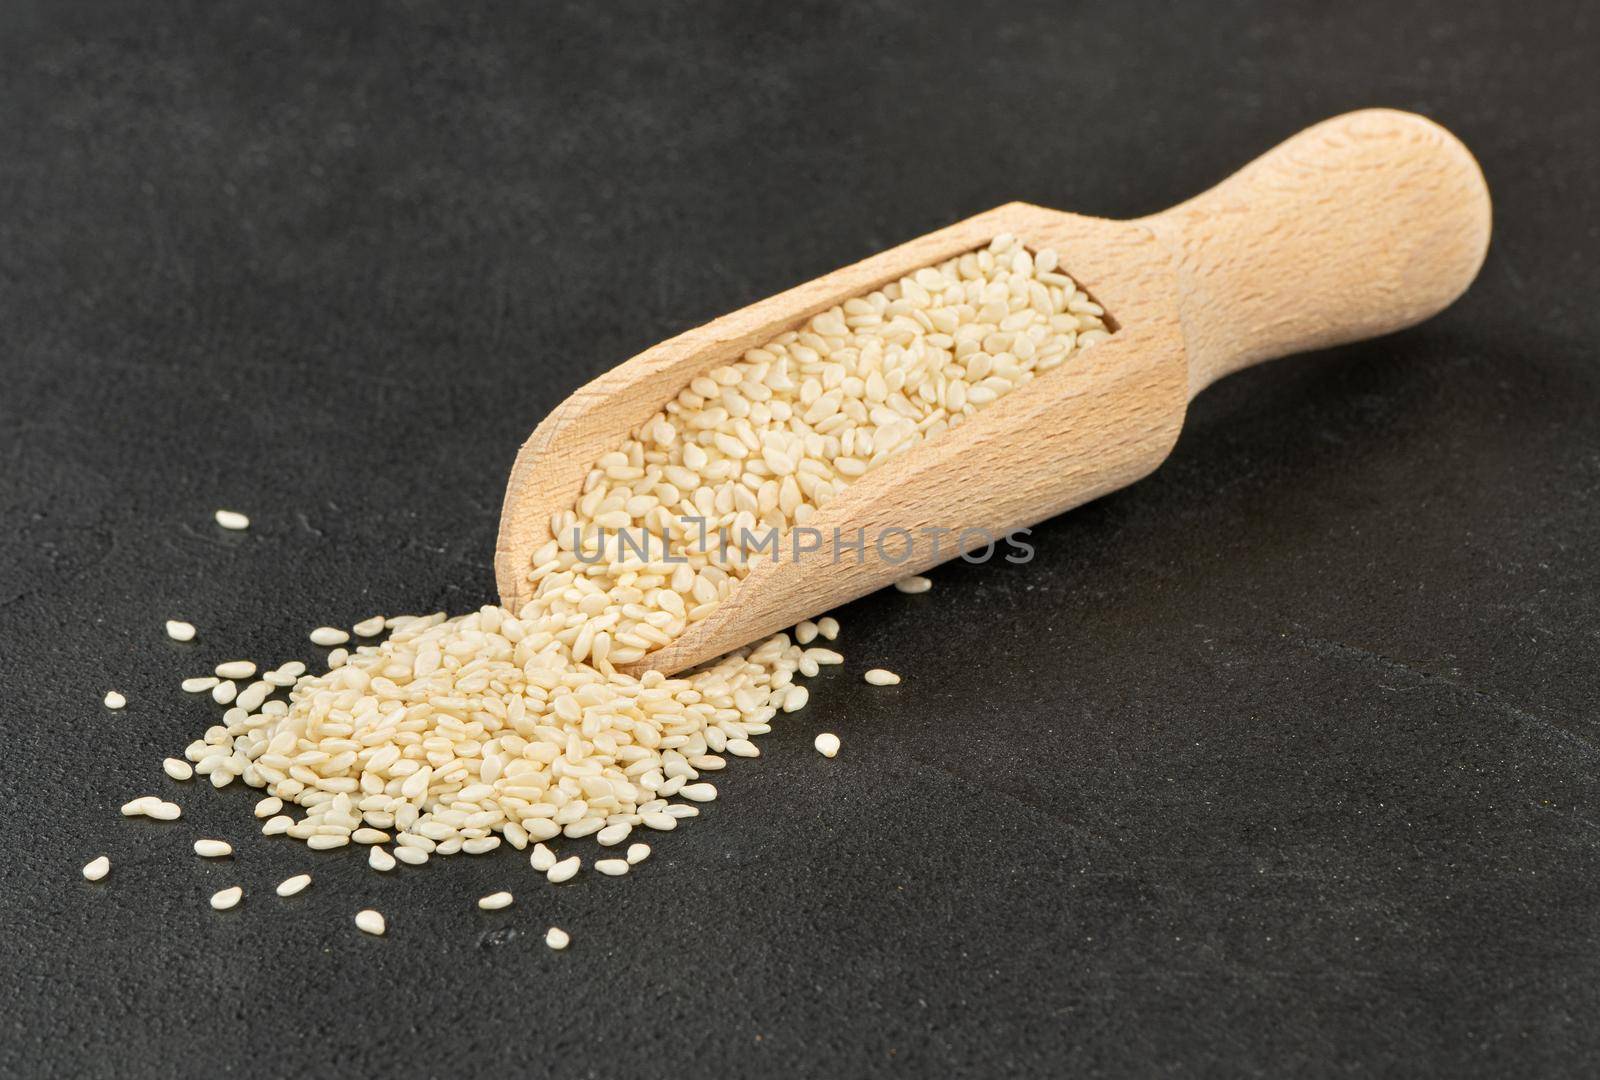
(500, 728)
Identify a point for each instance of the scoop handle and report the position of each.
(1361, 225)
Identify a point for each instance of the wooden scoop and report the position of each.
(1359, 226)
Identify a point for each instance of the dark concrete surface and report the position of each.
(1281, 762)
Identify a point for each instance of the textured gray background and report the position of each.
(1282, 761)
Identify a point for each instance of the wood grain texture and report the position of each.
(1361, 225)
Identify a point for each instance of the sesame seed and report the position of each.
(495, 901)
(212, 849)
(827, 744)
(97, 868)
(370, 922)
(199, 683)
(557, 938)
(236, 669)
(380, 860)
(369, 627)
(251, 697)
(881, 677)
(177, 768)
(162, 811)
(913, 585)
(180, 631)
(542, 858)
(232, 519)
(564, 870)
(269, 806)
(612, 867)
(114, 700)
(224, 899)
(613, 834)
(638, 853)
(293, 885)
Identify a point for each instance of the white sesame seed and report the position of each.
(662, 822)
(806, 632)
(325, 842)
(698, 792)
(277, 825)
(743, 748)
(795, 698)
(370, 922)
(236, 669)
(293, 885)
(212, 849)
(828, 627)
(612, 867)
(370, 836)
(224, 692)
(177, 768)
(379, 859)
(328, 635)
(913, 584)
(199, 683)
(231, 519)
(411, 856)
(178, 630)
(583, 827)
(97, 868)
(369, 627)
(613, 834)
(541, 828)
(162, 811)
(542, 858)
(564, 870)
(557, 938)
(638, 853)
(269, 807)
(251, 697)
(495, 901)
(137, 807)
(827, 744)
(880, 677)
(115, 700)
(224, 899)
